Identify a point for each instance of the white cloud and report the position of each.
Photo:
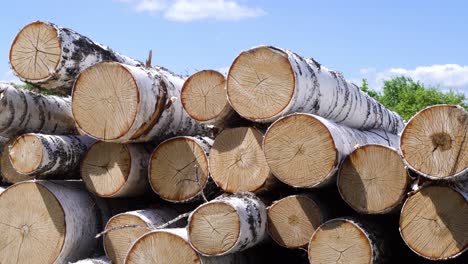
(223, 70)
(445, 76)
(190, 10)
(366, 70)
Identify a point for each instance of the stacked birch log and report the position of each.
(280, 161)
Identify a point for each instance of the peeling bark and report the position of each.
(281, 81)
(68, 55)
(60, 156)
(22, 111)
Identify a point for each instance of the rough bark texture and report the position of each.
(116, 170)
(371, 234)
(118, 242)
(252, 216)
(434, 143)
(179, 170)
(317, 90)
(290, 136)
(77, 53)
(61, 155)
(22, 111)
(158, 113)
(373, 179)
(76, 216)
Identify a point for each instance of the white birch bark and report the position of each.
(22, 111)
(77, 52)
(345, 140)
(160, 114)
(61, 155)
(326, 93)
(98, 260)
(252, 215)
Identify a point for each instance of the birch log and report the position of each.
(116, 170)
(228, 224)
(121, 103)
(178, 169)
(9, 174)
(204, 98)
(434, 143)
(51, 222)
(2, 188)
(434, 222)
(266, 83)
(49, 156)
(172, 247)
(237, 161)
(292, 220)
(117, 242)
(22, 111)
(51, 57)
(373, 179)
(345, 240)
(305, 150)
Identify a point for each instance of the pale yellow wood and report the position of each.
(214, 228)
(260, 83)
(237, 161)
(435, 141)
(162, 247)
(118, 242)
(105, 168)
(178, 169)
(434, 222)
(36, 51)
(204, 95)
(293, 220)
(32, 229)
(300, 150)
(9, 174)
(105, 100)
(340, 242)
(26, 153)
(373, 179)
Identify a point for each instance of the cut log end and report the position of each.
(214, 228)
(35, 52)
(9, 174)
(340, 241)
(105, 100)
(260, 83)
(37, 224)
(293, 220)
(373, 179)
(178, 169)
(204, 96)
(162, 247)
(435, 141)
(237, 161)
(434, 223)
(26, 153)
(118, 242)
(105, 168)
(300, 150)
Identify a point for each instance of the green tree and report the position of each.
(365, 88)
(28, 86)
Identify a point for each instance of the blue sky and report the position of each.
(426, 40)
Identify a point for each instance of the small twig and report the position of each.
(148, 61)
(182, 216)
(121, 227)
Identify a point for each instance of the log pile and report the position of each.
(136, 164)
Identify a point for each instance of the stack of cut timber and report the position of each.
(206, 169)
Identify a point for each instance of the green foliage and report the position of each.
(406, 96)
(28, 86)
(365, 88)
